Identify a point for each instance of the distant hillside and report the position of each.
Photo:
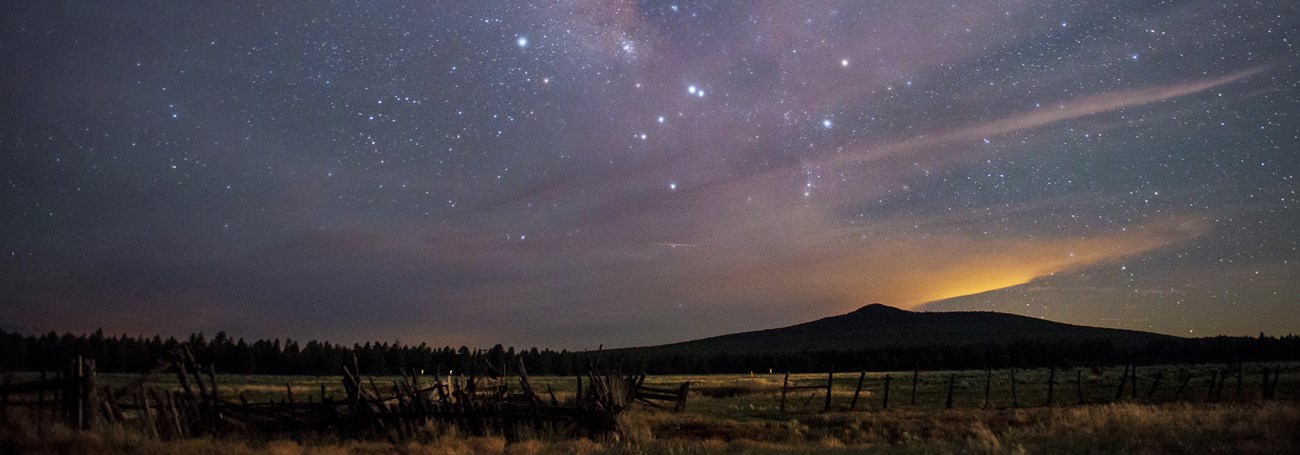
(878, 326)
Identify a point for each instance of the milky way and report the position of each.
(580, 172)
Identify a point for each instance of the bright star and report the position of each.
(691, 89)
(660, 119)
(844, 63)
(672, 186)
(826, 123)
(522, 41)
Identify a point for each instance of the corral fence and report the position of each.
(487, 403)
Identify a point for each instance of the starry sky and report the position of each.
(576, 173)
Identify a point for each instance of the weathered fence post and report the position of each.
(1015, 400)
(150, 422)
(1214, 377)
(1186, 378)
(1270, 387)
(1078, 384)
(830, 379)
(40, 401)
(988, 385)
(952, 380)
(1238, 386)
(915, 375)
(854, 404)
(1156, 383)
(75, 396)
(885, 404)
(89, 403)
(1123, 381)
(212, 379)
(579, 393)
(1051, 385)
(1264, 383)
(4, 398)
(785, 386)
(1223, 380)
(1134, 381)
(681, 396)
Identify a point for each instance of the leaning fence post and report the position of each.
(854, 404)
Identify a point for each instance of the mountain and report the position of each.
(878, 326)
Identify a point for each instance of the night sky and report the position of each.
(572, 173)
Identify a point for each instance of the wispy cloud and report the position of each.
(1056, 112)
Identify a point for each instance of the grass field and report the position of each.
(739, 414)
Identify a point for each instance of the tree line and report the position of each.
(123, 353)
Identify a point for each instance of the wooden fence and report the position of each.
(478, 405)
(1125, 390)
(68, 396)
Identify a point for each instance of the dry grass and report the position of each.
(1177, 428)
(738, 414)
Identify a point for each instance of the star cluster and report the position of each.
(578, 172)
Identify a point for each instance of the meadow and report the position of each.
(740, 414)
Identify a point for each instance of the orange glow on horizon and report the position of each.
(909, 274)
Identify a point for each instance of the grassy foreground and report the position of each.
(1176, 428)
(739, 414)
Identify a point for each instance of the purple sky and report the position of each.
(573, 173)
